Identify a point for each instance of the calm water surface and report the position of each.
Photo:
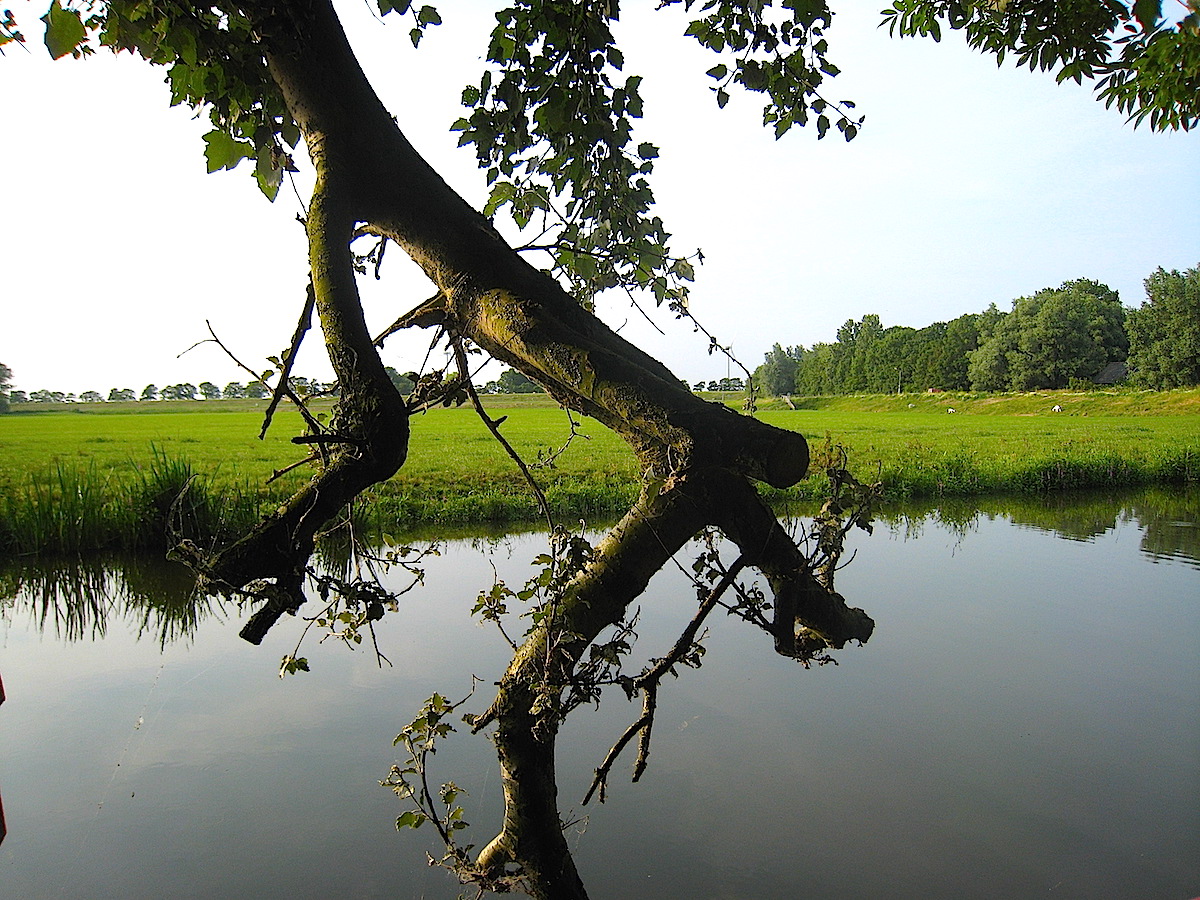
(1024, 723)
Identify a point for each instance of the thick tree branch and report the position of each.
(490, 294)
(370, 418)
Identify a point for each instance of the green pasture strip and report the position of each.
(223, 447)
(78, 479)
(963, 455)
(1115, 402)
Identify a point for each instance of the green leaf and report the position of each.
(1147, 12)
(268, 173)
(411, 819)
(683, 269)
(717, 72)
(64, 30)
(429, 16)
(502, 193)
(223, 152)
(293, 664)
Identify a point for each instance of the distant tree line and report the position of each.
(724, 384)
(512, 382)
(509, 382)
(1057, 338)
(5, 382)
(235, 390)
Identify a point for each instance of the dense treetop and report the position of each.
(1164, 333)
(5, 382)
(1055, 338)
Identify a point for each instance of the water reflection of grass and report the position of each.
(72, 482)
(77, 599)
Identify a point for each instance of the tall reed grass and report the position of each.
(71, 510)
(963, 474)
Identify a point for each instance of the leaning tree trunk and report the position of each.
(698, 457)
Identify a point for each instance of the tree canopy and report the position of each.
(1141, 62)
(867, 357)
(1053, 339)
(512, 382)
(551, 119)
(1048, 339)
(1164, 333)
(5, 384)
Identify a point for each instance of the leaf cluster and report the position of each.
(214, 62)
(1144, 66)
(776, 50)
(422, 17)
(850, 504)
(409, 780)
(9, 32)
(354, 605)
(569, 555)
(551, 121)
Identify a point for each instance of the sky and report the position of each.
(967, 185)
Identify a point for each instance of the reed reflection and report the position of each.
(75, 600)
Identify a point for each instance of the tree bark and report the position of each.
(697, 457)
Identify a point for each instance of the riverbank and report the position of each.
(95, 476)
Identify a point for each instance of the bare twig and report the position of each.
(648, 683)
(300, 405)
(493, 425)
(288, 359)
(428, 312)
(547, 461)
(312, 457)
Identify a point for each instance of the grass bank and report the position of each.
(103, 476)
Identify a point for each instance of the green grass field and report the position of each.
(73, 462)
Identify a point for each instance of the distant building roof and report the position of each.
(1113, 373)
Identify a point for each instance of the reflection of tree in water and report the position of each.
(1171, 520)
(1169, 517)
(1075, 517)
(77, 599)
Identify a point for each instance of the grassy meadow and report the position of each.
(87, 476)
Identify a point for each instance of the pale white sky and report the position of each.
(968, 185)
